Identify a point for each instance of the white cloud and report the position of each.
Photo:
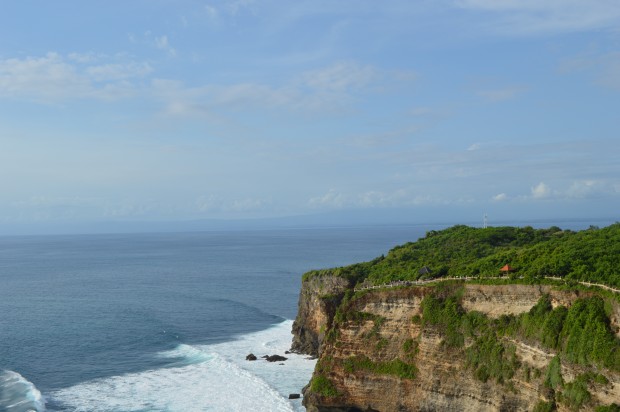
(402, 197)
(378, 199)
(499, 95)
(45, 208)
(228, 8)
(217, 204)
(129, 208)
(162, 43)
(253, 94)
(41, 78)
(112, 72)
(473, 147)
(329, 89)
(548, 16)
(54, 78)
(181, 100)
(208, 203)
(340, 77)
(249, 205)
(54, 201)
(541, 191)
(211, 11)
(84, 58)
(577, 189)
(331, 199)
(591, 188)
(234, 7)
(604, 67)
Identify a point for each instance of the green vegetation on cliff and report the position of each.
(487, 355)
(394, 367)
(591, 255)
(580, 334)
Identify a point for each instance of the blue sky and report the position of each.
(160, 110)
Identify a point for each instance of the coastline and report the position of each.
(204, 377)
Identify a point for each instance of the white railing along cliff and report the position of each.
(399, 283)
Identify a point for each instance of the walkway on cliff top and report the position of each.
(400, 283)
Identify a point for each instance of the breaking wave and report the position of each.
(202, 378)
(17, 394)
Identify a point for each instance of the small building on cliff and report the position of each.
(507, 269)
(425, 271)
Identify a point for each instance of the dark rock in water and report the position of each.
(286, 352)
(294, 396)
(250, 357)
(275, 358)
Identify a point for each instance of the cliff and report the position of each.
(455, 346)
(318, 300)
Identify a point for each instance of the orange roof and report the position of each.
(507, 268)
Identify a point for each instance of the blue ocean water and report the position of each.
(162, 322)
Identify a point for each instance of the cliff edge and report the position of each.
(318, 300)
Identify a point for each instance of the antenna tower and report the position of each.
(484, 221)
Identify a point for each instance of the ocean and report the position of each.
(163, 322)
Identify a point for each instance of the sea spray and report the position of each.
(286, 377)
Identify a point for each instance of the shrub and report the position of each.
(553, 377)
(322, 385)
(544, 407)
(575, 394)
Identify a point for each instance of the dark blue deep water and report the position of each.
(82, 309)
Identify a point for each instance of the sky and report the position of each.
(442, 110)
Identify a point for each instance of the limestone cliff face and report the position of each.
(318, 300)
(381, 357)
(494, 301)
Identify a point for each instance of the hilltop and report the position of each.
(591, 255)
(443, 329)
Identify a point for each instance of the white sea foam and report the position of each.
(203, 378)
(285, 377)
(186, 355)
(17, 394)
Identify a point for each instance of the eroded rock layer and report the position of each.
(377, 352)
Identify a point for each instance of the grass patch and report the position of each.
(614, 407)
(394, 367)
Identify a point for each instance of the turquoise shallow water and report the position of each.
(114, 317)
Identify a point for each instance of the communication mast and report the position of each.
(484, 221)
